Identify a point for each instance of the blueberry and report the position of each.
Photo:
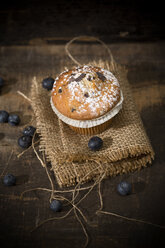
(60, 90)
(3, 116)
(1, 82)
(9, 180)
(95, 143)
(29, 131)
(25, 141)
(56, 206)
(13, 120)
(47, 83)
(124, 188)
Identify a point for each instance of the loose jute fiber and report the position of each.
(126, 146)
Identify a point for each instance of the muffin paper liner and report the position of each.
(89, 123)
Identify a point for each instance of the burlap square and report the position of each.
(126, 145)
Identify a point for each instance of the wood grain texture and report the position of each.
(146, 73)
(60, 20)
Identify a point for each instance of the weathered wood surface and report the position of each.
(113, 21)
(146, 73)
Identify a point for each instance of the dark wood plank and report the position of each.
(57, 21)
(145, 64)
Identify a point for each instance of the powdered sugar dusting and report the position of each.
(90, 88)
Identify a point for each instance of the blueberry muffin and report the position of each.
(86, 98)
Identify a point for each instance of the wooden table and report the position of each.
(146, 73)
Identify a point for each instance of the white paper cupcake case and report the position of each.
(89, 123)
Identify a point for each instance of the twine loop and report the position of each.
(88, 38)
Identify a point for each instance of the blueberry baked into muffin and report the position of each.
(86, 98)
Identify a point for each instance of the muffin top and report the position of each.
(85, 93)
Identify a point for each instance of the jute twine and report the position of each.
(126, 147)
